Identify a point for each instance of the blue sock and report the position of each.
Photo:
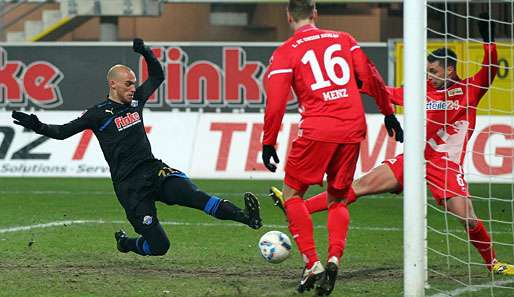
(225, 210)
(212, 205)
(142, 247)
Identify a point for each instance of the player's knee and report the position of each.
(335, 194)
(361, 186)
(471, 223)
(160, 248)
(468, 223)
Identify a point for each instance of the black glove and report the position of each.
(29, 121)
(269, 151)
(138, 45)
(483, 28)
(392, 124)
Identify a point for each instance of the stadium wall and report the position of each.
(191, 22)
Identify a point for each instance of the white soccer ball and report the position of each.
(275, 246)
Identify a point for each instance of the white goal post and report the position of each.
(414, 202)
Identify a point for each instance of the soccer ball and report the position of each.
(275, 246)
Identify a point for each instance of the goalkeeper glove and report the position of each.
(29, 121)
(392, 124)
(268, 151)
(483, 28)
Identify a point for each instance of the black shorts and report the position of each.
(138, 192)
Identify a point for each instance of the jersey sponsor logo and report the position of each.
(127, 121)
(455, 92)
(109, 111)
(443, 105)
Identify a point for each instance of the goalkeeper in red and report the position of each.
(322, 67)
(451, 117)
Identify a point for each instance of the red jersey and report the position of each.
(322, 67)
(451, 112)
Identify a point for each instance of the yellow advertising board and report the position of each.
(499, 100)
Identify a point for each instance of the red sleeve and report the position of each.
(480, 82)
(372, 82)
(277, 84)
(396, 95)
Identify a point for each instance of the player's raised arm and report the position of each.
(155, 72)
(31, 121)
(277, 83)
(480, 82)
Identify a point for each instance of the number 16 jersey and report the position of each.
(324, 69)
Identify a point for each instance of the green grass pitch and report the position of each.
(209, 257)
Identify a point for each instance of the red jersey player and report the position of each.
(322, 67)
(451, 116)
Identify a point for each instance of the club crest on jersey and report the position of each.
(127, 121)
(147, 220)
(455, 92)
(443, 105)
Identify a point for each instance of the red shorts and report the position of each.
(309, 160)
(445, 179)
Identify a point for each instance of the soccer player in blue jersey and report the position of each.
(139, 179)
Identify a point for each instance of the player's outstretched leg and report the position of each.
(181, 191)
(380, 180)
(314, 204)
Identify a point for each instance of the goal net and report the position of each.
(455, 254)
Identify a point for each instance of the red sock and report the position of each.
(482, 242)
(317, 203)
(337, 226)
(300, 226)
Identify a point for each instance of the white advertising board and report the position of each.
(226, 145)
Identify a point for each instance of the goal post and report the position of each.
(414, 203)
